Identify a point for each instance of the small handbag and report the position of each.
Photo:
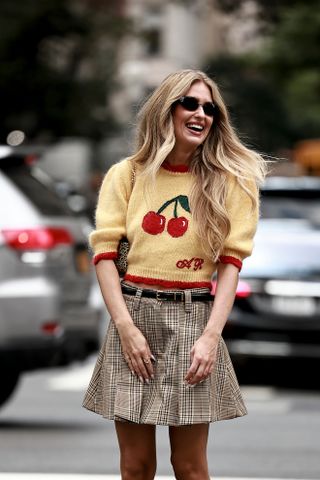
(121, 262)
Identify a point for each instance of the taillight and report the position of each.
(243, 289)
(37, 238)
(52, 328)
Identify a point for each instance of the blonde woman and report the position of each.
(190, 212)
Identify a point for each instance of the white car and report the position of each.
(46, 317)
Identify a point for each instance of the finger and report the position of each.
(198, 376)
(143, 370)
(208, 370)
(140, 366)
(137, 369)
(192, 371)
(148, 365)
(129, 363)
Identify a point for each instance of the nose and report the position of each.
(199, 112)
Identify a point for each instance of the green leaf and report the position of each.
(184, 202)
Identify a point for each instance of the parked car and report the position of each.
(46, 317)
(276, 313)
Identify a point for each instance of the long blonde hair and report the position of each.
(220, 155)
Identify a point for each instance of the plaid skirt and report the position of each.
(171, 328)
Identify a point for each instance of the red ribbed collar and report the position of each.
(175, 168)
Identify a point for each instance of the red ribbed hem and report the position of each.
(166, 283)
(104, 256)
(175, 168)
(228, 259)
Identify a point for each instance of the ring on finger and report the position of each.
(146, 360)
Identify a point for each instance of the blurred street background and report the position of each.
(73, 74)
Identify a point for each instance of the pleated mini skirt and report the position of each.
(171, 328)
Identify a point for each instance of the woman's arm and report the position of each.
(204, 351)
(134, 345)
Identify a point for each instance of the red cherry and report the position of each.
(153, 223)
(177, 226)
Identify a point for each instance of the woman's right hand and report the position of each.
(136, 352)
(135, 347)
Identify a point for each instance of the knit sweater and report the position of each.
(164, 247)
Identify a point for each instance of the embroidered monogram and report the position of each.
(194, 262)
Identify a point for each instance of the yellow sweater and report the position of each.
(164, 248)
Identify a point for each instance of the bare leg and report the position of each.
(137, 451)
(189, 451)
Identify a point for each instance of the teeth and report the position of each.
(194, 126)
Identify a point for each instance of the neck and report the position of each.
(179, 157)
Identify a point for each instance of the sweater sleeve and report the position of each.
(243, 219)
(111, 212)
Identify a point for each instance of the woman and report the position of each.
(187, 201)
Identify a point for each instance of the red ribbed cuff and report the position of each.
(229, 259)
(104, 256)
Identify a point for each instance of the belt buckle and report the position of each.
(158, 295)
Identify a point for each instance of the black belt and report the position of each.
(177, 296)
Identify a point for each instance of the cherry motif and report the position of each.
(153, 223)
(177, 226)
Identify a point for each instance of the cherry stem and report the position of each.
(166, 204)
(175, 211)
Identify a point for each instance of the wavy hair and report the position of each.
(221, 154)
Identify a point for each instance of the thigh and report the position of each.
(189, 441)
(136, 440)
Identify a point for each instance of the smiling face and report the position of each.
(192, 128)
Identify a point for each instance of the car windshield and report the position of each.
(46, 200)
(300, 205)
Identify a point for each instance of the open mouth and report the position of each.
(195, 127)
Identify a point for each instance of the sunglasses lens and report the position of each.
(189, 103)
(209, 109)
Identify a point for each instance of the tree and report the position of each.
(294, 64)
(274, 93)
(57, 67)
(255, 107)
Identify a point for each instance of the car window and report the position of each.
(304, 207)
(45, 200)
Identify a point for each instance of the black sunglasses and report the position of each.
(191, 104)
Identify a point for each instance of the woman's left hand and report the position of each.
(203, 358)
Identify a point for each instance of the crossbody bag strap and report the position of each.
(133, 176)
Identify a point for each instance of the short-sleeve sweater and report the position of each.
(164, 246)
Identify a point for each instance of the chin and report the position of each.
(195, 143)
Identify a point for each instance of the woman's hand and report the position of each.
(136, 352)
(203, 358)
(204, 351)
(135, 348)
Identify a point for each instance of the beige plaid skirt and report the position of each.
(171, 328)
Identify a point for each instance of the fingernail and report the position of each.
(141, 379)
(132, 372)
(147, 380)
(152, 376)
(153, 358)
